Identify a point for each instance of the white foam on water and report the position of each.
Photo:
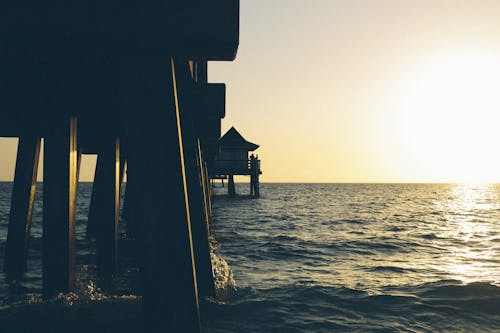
(223, 275)
(68, 299)
(93, 293)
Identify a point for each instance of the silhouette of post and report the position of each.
(21, 208)
(231, 190)
(199, 219)
(254, 177)
(205, 181)
(157, 160)
(105, 203)
(95, 203)
(129, 211)
(208, 189)
(59, 196)
(105, 211)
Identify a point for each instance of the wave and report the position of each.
(429, 307)
(390, 269)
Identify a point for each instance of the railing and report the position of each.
(237, 166)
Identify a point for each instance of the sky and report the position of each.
(362, 91)
(368, 91)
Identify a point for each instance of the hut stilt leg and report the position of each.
(231, 191)
(256, 186)
(252, 185)
(59, 198)
(21, 208)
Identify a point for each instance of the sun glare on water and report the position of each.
(451, 116)
(466, 222)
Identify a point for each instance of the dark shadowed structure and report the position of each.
(127, 81)
(233, 159)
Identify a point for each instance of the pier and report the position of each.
(128, 82)
(232, 159)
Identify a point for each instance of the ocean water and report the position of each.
(310, 258)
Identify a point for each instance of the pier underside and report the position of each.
(127, 82)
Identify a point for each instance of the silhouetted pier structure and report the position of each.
(232, 159)
(126, 81)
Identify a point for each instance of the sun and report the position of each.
(450, 117)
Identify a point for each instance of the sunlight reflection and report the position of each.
(466, 212)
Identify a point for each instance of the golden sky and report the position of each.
(362, 90)
(368, 91)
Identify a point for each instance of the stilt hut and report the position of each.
(233, 159)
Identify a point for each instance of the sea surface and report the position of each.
(306, 258)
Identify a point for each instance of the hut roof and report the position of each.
(233, 140)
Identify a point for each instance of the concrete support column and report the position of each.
(21, 208)
(59, 198)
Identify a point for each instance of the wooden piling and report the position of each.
(59, 196)
(104, 212)
(195, 183)
(231, 190)
(254, 184)
(92, 221)
(205, 181)
(199, 227)
(208, 189)
(21, 208)
(95, 203)
(78, 166)
(156, 157)
(129, 211)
